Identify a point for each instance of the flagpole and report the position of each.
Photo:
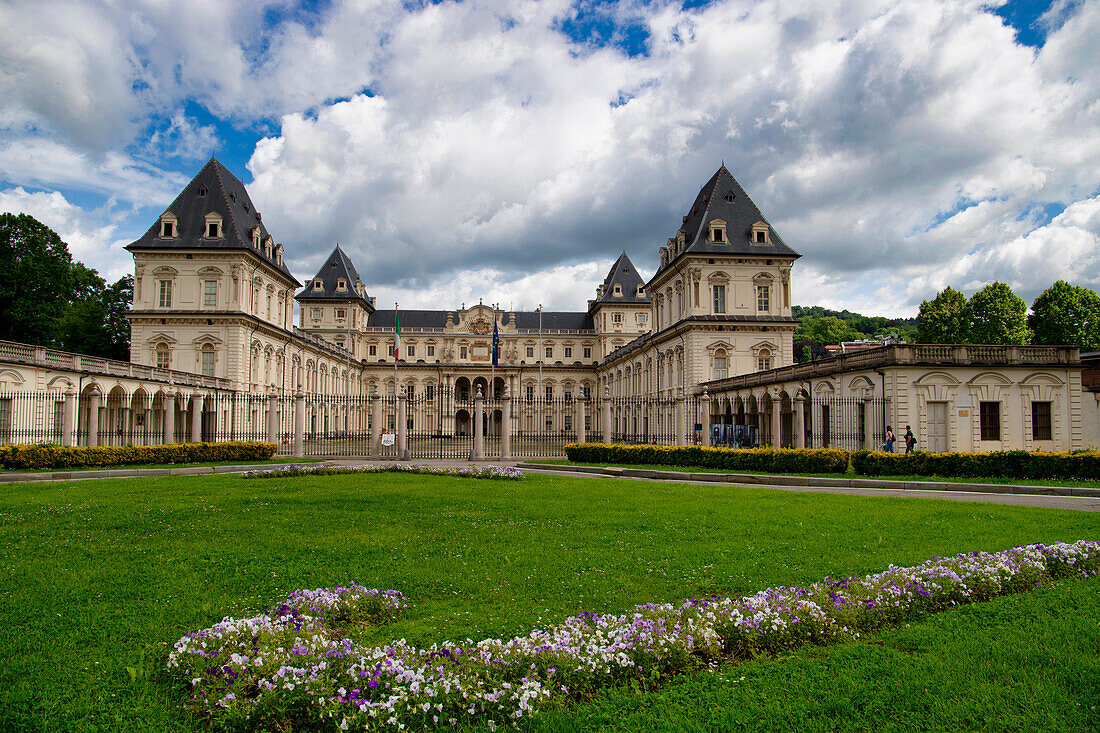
(396, 346)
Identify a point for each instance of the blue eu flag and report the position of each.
(496, 344)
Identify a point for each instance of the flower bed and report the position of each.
(289, 668)
(506, 473)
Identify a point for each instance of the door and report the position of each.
(936, 440)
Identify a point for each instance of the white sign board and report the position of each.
(388, 439)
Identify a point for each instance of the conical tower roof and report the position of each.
(213, 190)
(722, 197)
(624, 274)
(337, 267)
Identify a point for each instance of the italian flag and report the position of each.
(396, 334)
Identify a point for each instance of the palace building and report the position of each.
(213, 295)
(701, 352)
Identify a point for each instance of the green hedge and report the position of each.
(60, 456)
(765, 460)
(1016, 464)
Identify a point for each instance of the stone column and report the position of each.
(376, 425)
(479, 412)
(169, 417)
(679, 420)
(196, 418)
(777, 421)
(581, 436)
(506, 425)
(68, 418)
(402, 434)
(799, 422)
(704, 409)
(273, 419)
(93, 416)
(299, 424)
(870, 440)
(605, 416)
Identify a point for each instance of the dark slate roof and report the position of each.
(622, 273)
(555, 320)
(225, 195)
(409, 319)
(338, 265)
(739, 214)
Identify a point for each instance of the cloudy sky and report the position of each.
(509, 150)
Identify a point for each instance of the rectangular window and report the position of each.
(431, 351)
(372, 350)
(567, 422)
(568, 393)
(587, 422)
(721, 371)
(763, 300)
(616, 317)
(412, 351)
(530, 352)
(316, 313)
(212, 230)
(209, 293)
(410, 390)
(1040, 421)
(429, 392)
(165, 293)
(341, 313)
(549, 424)
(990, 416)
(587, 353)
(208, 362)
(461, 352)
(719, 298)
(641, 319)
(162, 359)
(568, 352)
(763, 363)
(549, 392)
(167, 229)
(587, 391)
(549, 352)
(530, 393)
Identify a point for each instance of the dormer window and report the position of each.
(718, 231)
(617, 291)
(318, 284)
(256, 238)
(202, 190)
(341, 284)
(213, 226)
(760, 233)
(169, 228)
(729, 197)
(640, 292)
(279, 254)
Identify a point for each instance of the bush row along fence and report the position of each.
(1083, 465)
(65, 456)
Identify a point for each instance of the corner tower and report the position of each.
(334, 304)
(621, 311)
(210, 284)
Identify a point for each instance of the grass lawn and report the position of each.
(850, 474)
(98, 577)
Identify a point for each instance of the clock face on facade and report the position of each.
(480, 326)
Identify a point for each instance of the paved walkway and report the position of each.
(1087, 499)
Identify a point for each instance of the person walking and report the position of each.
(890, 438)
(910, 439)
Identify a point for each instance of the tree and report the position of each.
(998, 316)
(1066, 314)
(944, 320)
(48, 299)
(36, 280)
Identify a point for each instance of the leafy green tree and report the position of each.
(48, 299)
(945, 319)
(998, 316)
(36, 280)
(1066, 314)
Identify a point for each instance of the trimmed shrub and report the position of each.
(1016, 464)
(766, 460)
(62, 456)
